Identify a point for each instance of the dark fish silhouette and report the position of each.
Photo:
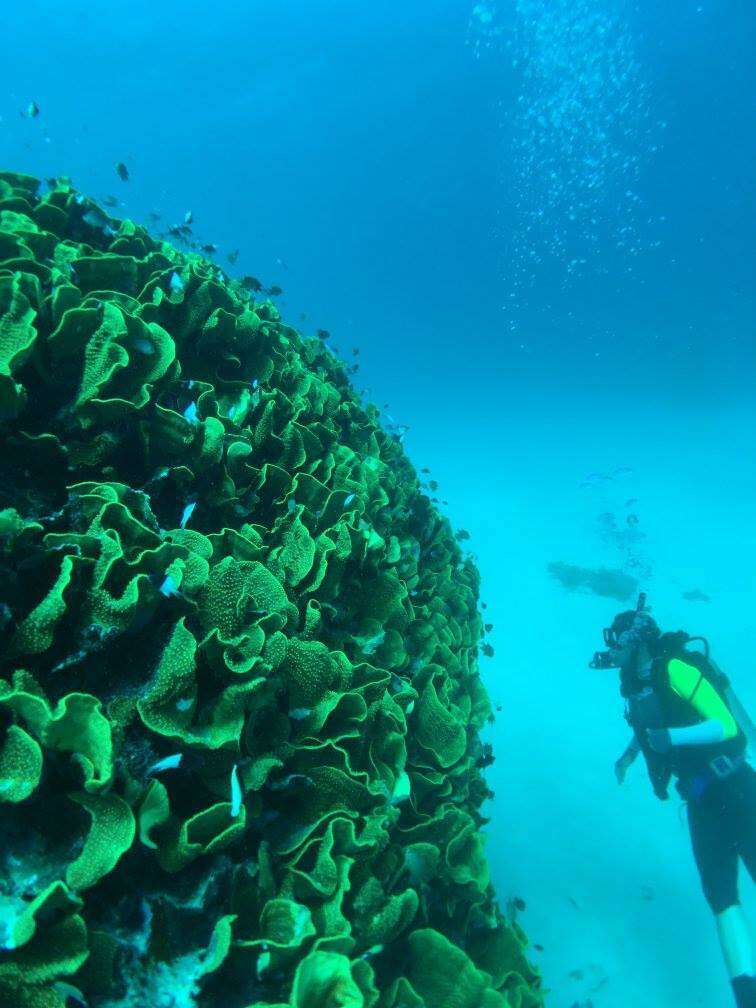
(122, 171)
(252, 283)
(696, 595)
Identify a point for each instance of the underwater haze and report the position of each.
(529, 228)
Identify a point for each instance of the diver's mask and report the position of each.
(627, 630)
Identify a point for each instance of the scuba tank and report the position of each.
(723, 684)
(650, 705)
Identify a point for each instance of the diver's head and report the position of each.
(629, 640)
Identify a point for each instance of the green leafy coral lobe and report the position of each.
(240, 700)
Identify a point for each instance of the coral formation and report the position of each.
(240, 703)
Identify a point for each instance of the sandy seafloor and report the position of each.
(606, 872)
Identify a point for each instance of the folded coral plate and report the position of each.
(240, 702)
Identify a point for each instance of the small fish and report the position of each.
(487, 650)
(632, 519)
(323, 334)
(176, 284)
(187, 513)
(232, 256)
(538, 948)
(32, 110)
(144, 346)
(188, 217)
(191, 412)
(300, 713)
(373, 950)
(462, 534)
(285, 782)
(209, 248)
(154, 215)
(696, 595)
(167, 763)
(122, 171)
(348, 500)
(236, 793)
(355, 351)
(425, 470)
(111, 201)
(488, 627)
(95, 218)
(519, 902)
(184, 704)
(251, 283)
(274, 290)
(169, 588)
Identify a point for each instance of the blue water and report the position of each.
(535, 220)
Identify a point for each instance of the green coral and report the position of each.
(240, 705)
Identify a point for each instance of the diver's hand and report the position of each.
(620, 769)
(659, 739)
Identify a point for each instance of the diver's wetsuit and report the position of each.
(722, 825)
(721, 810)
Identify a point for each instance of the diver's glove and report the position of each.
(660, 791)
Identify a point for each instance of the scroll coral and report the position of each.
(240, 700)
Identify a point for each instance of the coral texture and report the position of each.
(240, 703)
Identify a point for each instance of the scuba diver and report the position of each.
(689, 724)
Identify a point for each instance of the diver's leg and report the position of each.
(734, 931)
(735, 939)
(744, 800)
(716, 853)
